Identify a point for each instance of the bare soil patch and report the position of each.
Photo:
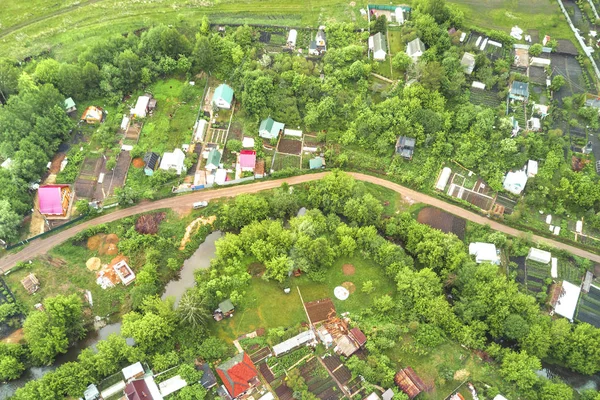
(138, 163)
(349, 286)
(193, 228)
(256, 269)
(104, 244)
(148, 224)
(445, 222)
(290, 146)
(15, 337)
(348, 269)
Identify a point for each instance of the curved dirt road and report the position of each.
(41, 246)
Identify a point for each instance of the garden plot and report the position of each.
(319, 382)
(85, 184)
(217, 136)
(115, 178)
(485, 97)
(283, 161)
(588, 309)
(568, 66)
(289, 146)
(443, 221)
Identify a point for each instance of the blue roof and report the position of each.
(316, 163)
(223, 92)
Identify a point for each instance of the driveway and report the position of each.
(42, 246)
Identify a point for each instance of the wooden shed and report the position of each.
(30, 283)
(410, 383)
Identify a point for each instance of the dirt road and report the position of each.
(42, 246)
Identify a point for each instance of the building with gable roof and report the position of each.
(238, 374)
(223, 96)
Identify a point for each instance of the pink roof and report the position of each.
(247, 158)
(50, 199)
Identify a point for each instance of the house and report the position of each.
(93, 115)
(247, 160)
(565, 299)
(405, 147)
(91, 393)
(151, 162)
(225, 309)
(316, 163)
(291, 40)
(142, 389)
(200, 130)
(409, 382)
(468, 63)
(540, 256)
(55, 200)
(208, 379)
(173, 161)
(70, 105)
(519, 91)
(141, 107)
(415, 49)
(378, 46)
(515, 182)
(358, 336)
(484, 252)
(238, 374)
(213, 160)
(304, 338)
(133, 371)
(124, 272)
(223, 96)
(270, 129)
(30, 283)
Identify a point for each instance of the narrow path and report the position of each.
(383, 78)
(42, 246)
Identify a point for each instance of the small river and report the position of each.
(199, 260)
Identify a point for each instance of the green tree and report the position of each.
(245, 209)
(234, 145)
(402, 61)
(278, 268)
(9, 222)
(192, 308)
(520, 368)
(363, 211)
(149, 331)
(557, 82)
(10, 368)
(535, 49)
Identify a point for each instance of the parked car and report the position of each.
(199, 204)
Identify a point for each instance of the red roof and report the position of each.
(360, 337)
(50, 198)
(137, 390)
(247, 158)
(236, 373)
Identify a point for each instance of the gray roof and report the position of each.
(519, 89)
(226, 306)
(468, 63)
(208, 379)
(379, 42)
(415, 46)
(405, 146)
(593, 103)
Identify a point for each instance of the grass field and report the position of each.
(68, 26)
(267, 306)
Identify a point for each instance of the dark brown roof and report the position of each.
(137, 390)
(319, 310)
(407, 380)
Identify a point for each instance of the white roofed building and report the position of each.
(415, 48)
(484, 252)
(141, 107)
(515, 182)
(532, 168)
(541, 256)
(306, 337)
(173, 161)
(566, 303)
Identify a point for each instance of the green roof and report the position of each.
(316, 163)
(223, 92)
(214, 157)
(270, 126)
(226, 306)
(69, 103)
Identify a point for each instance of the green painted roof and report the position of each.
(226, 306)
(69, 103)
(271, 126)
(214, 157)
(223, 92)
(316, 163)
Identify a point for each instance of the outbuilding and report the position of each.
(468, 63)
(200, 130)
(515, 181)
(540, 256)
(151, 163)
(443, 179)
(378, 46)
(70, 105)
(141, 107)
(415, 49)
(565, 303)
(270, 129)
(291, 40)
(484, 252)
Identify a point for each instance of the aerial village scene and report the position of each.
(282, 199)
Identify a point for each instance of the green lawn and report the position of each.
(267, 306)
(173, 120)
(27, 28)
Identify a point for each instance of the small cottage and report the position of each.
(55, 200)
(468, 63)
(378, 46)
(405, 147)
(173, 161)
(223, 96)
(225, 309)
(30, 283)
(213, 160)
(151, 163)
(519, 91)
(415, 49)
(93, 115)
(70, 105)
(270, 129)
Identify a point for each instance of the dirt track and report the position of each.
(42, 246)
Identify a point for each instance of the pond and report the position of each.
(199, 260)
(578, 382)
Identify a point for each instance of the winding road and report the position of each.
(42, 246)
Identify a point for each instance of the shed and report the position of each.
(358, 336)
(54, 200)
(171, 385)
(409, 382)
(93, 115)
(316, 163)
(91, 392)
(303, 338)
(248, 142)
(125, 123)
(484, 252)
(141, 107)
(70, 105)
(320, 39)
(539, 62)
(534, 124)
(151, 162)
(537, 255)
(312, 48)
(443, 179)
(345, 346)
(223, 96)
(270, 129)
(519, 91)
(399, 12)
(567, 300)
(133, 371)
(554, 268)
(478, 85)
(213, 160)
(515, 182)
(291, 40)
(373, 396)
(541, 110)
(405, 147)
(378, 46)
(247, 160)
(208, 379)
(124, 272)
(415, 48)
(468, 63)
(292, 132)
(532, 168)
(200, 130)
(173, 161)
(387, 395)
(30, 283)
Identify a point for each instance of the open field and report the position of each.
(267, 306)
(67, 26)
